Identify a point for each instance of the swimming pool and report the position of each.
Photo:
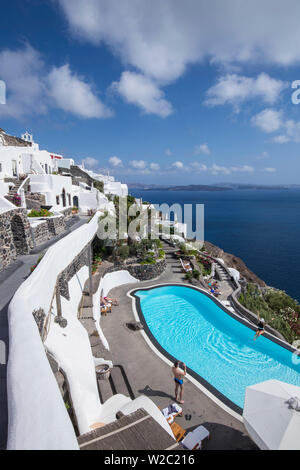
(218, 349)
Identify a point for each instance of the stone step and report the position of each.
(118, 382)
(86, 302)
(105, 390)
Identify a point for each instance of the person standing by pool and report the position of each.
(260, 327)
(178, 378)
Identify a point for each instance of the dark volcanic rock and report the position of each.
(232, 261)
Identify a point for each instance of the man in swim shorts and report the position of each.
(178, 379)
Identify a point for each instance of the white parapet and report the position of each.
(38, 418)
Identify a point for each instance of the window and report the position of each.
(57, 200)
(0, 167)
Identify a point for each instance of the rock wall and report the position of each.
(142, 272)
(232, 261)
(9, 140)
(81, 260)
(67, 213)
(15, 236)
(35, 201)
(56, 225)
(40, 232)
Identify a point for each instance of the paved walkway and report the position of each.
(10, 279)
(149, 375)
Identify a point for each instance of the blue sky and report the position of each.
(176, 92)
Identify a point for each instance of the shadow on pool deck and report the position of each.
(150, 376)
(149, 392)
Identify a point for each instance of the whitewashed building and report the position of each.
(20, 158)
(111, 186)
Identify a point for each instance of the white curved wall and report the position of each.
(37, 415)
(107, 283)
(71, 348)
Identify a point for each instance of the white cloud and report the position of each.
(23, 70)
(262, 156)
(292, 130)
(143, 92)
(154, 166)
(281, 139)
(162, 40)
(234, 89)
(71, 93)
(115, 162)
(138, 164)
(90, 162)
(216, 169)
(268, 120)
(241, 169)
(169, 152)
(33, 90)
(270, 170)
(202, 149)
(178, 165)
(199, 166)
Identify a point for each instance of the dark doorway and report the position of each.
(63, 196)
(75, 201)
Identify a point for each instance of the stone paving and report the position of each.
(149, 375)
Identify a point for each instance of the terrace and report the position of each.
(148, 375)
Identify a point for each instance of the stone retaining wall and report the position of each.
(40, 232)
(81, 260)
(142, 272)
(35, 201)
(15, 236)
(67, 213)
(56, 225)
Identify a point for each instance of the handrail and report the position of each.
(22, 185)
(47, 323)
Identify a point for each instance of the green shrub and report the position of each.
(280, 311)
(98, 185)
(189, 276)
(123, 252)
(40, 213)
(149, 260)
(196, 274)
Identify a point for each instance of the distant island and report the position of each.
(213, 187)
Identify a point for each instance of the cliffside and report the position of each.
(234, 262)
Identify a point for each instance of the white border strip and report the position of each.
(167, 361)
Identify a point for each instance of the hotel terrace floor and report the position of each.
(149, 375)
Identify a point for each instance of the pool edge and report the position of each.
(217, 397)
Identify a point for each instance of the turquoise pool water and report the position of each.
(192, 328)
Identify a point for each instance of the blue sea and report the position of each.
(260, 226)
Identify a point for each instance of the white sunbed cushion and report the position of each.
(195, 437)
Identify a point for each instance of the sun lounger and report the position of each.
(186, 266)
(178, 431)
(193, 440)
(105, 309)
